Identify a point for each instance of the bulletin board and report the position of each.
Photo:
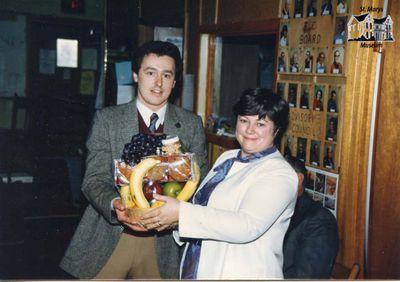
(322, 186)
(12, 55)
(311, 76)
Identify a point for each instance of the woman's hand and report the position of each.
(124, 218)
(165, 217)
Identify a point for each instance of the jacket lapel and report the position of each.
(129, 121)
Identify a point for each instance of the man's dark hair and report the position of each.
(264, 103)
(160, 48)
(298, 167)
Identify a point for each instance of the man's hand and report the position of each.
(124, 218)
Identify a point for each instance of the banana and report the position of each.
(157, 204)
(136, 181)
(190, 186)
(126, 197)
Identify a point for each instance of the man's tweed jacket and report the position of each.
(99, 231)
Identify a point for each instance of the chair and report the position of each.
(342, 272)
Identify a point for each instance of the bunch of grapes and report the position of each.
(141, 145)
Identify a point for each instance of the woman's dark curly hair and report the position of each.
(264, 103)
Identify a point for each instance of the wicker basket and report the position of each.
(136, 213)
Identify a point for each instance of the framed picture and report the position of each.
(337, 63)
(331, 128)
(292, 95)
(319, 183)
(305, 96)
(312, 8)
(283, 39)
(308, 60)
(322, 186)
(329, 157)
(333, 99)
(339, 37)
(282, 60)
(285, 12)
(326, 8)
(298, 8)
(341, 7)
(288, 146)
(280, 89)
(301, 149)
(294, 60)
(320, 66)
(315, 152)
(318, 102)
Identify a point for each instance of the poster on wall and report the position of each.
(47, 61)
(87, 83)
(322, 186)
(89, 59)
(173, 35)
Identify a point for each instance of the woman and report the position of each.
(317, 103)
(236, 230)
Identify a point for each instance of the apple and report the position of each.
(151, 187)
(172, 189)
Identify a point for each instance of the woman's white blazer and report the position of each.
(245, 221)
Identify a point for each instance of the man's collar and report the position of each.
(145, 112)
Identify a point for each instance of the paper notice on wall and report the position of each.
(323, 186)
(89, 59)
(173, 35)
(47, 61)
(125, 94)
(123, 71)
(87, 83)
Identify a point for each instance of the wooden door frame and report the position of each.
(265, 27)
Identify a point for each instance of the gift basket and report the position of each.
(154, 164)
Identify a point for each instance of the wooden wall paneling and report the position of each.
(269, 26)
(247, 10)
(210, 76)
(384, 232)
(145, 33)
(354, 148)
(190, 40)
(355, 114)
(208, 11)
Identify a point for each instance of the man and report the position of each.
(311, 242)
(282, 62)
(320, 67)
(326, 8)
(340, 33)
(328, 158)
(312, 8)
(341, 7)
(304, 99)
(308, 62)
(285, 11)
(107, 244)
(336, 67)
(332, 106)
